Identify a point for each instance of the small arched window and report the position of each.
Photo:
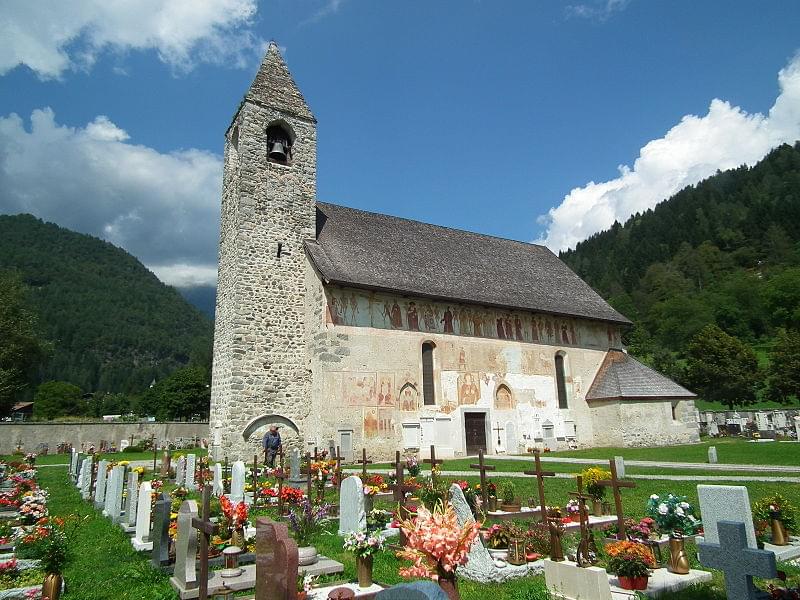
(428, 394)
(561, 381)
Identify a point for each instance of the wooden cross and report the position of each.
(433, 461)
(540, 475)
(280, 476)
(309, 483)
(206, 528)
(316, 456)
(254, 474)
(483, 468)
(364, 462)
(338, 471)
(583, 557)
(498, 429)
(615, 484)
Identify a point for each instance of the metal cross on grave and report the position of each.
(498, 429)
(254, 475)
(433, 461)
(740, 563)
(583, 557)
(364, 462)
(206, 528)
(483, 467)
(540, 475)
(616, 484)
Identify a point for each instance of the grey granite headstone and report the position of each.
(86, 481)
(619, 463)
(191, 464)
(237, 481)
(217, 487)
(294, 466)
(725, 503)
(712, 454)
(419, 590)
(352, 508)
(131, 499)
(180, 471)
(73, 463)
(141, 540)
(100, 484)
(186, 547)
(160, 533)
(79, 474)
(480, 565)
(113, 508)
(739, 561)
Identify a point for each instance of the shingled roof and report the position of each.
(623, 377)
(380, 252)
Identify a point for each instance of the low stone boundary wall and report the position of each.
(30, 434)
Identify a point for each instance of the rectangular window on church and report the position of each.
(427, 374)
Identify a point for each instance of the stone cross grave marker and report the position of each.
(216, 484)
(364, 462)
(86, 482)
(616, 484)
(740, 562)
(712, 455)
(294, 466)
(100, 485)
(185, 575)
(141, 540)
(180, 471)
(206, 529)
(725, 503)
(433, 462)
(237, 482)
(131, 499)
(483, 467)
(160, 533)
(191, 465)
(540, 475)
(276, 561)
(352, 507)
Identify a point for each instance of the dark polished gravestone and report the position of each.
(419, 590)
(276, 561)
(737, 561)
(160, 533)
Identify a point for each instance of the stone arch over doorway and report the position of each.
(255, 424)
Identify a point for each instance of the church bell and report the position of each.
(278, 152)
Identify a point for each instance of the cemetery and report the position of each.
(314, 525)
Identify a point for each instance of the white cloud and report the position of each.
(163, 208)
(331, 7)
(598, 11)
(726, 137)
(52, 36)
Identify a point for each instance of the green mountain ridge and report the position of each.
(113, 326)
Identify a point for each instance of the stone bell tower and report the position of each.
(268, 208)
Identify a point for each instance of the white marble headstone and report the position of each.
(216, 485)
(86, 478)
(191, 464)
(712, 454)
(143, 510)
(352, 508)
(100, 484)
(237, 481)
(725, 503)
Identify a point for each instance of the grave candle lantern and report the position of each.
(516, 551)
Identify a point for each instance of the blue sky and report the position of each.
(508, 118)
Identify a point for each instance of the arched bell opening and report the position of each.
(280, 142)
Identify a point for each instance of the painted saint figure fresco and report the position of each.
(468, 391)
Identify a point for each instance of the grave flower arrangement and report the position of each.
(591, 478)
(470, 496)
(412, 465)
(321, 471)
(437, 545)
(499, 535)
(33, 506)
(432, 492)
(235, 515)
(672, 513)
(308, 520)
(377, 519)
(573, 509)
(631, 563)
(291, 495)
(363, 543)
(778, 507)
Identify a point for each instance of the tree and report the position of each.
(21, 350)
(720, 368)
(56, 399)
(184, 394)
(783, 383)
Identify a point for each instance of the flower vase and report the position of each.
(633, 583)
(237, 538)
(779, 537)
(51, 588)
(597, 508)
(364, 565)
(306, 555)
(449, 584)
(678, 561)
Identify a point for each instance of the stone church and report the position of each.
(355, 329)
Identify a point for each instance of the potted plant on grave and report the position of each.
(592, 478)
(573, 510)
(508, 493)
(432, 492)
(305, 522)
(364, 545)
(631, 563)
(537, 542)
(674, 516)
(437, 545)
(777, 513)
(412, 465)
(378, 519)
(497, 538)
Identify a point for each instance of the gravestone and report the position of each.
(713, 429)
(725, 503)
(131, 499)
(712, 455)
(294, 466)
(141, 541)
(737, 559)
(73, 464)
(619, 461)
(418, 590)
(480, 564)
(185, 575)
(779, 419)
(160, 532)
(797, 428)
(216, 486)
(276, 561)
(352, 507)
(79, 475)
(568, 581)
(191, 465)
(113, 507)
(100, 484)
(237, 482)
(180, 471)
(762, 422)
(86, 482)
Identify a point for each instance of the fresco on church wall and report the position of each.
(357, 308)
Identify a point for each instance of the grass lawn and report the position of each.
(104, 565)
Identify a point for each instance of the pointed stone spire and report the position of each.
(274, 86)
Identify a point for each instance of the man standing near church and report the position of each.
(272, 444)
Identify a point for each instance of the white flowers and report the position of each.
(663, 508)
(679, 511)
(654, 497)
